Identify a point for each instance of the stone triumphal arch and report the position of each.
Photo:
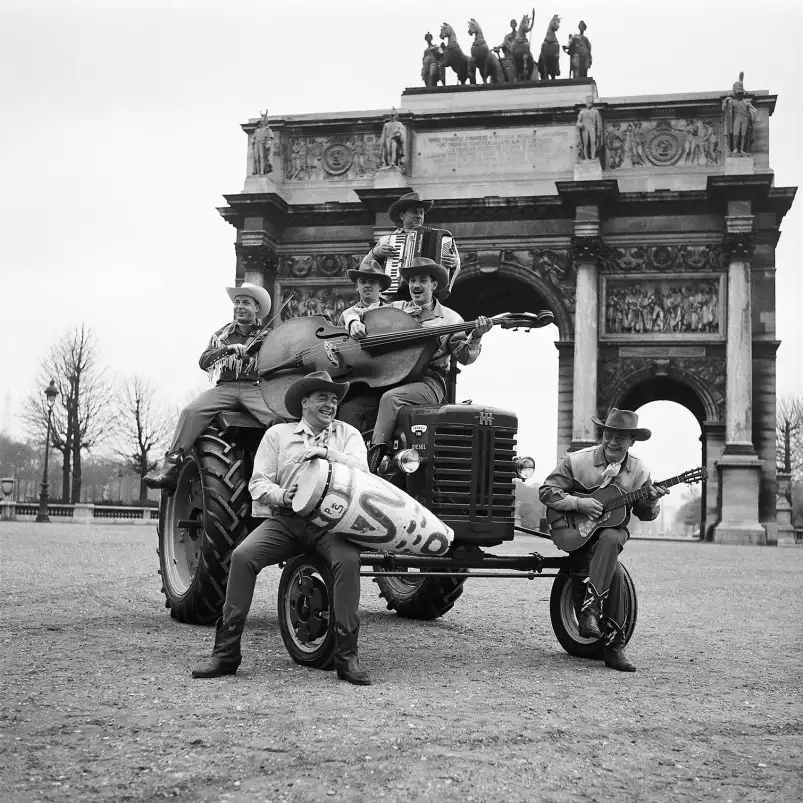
(652, 242)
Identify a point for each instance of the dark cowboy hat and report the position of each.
(624, 421)
(428, 267)
(405, 202)
(317, 380)
(370, 270)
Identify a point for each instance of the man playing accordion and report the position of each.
(408, 213)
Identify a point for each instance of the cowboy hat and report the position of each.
(370, 270)
(427, 267)
(259, 294)
(405, 202)
(317, 380)
(623, 421)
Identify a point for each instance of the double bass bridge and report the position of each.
(332, 354)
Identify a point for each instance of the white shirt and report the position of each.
(275, 468)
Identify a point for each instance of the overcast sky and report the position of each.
(121, 132)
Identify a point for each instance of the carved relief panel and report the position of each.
(303, 266)
(663, 143)
(672, 306)
(553, 266)
(663, 258)
(315, 298)
(330, 158)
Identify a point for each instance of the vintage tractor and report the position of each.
(457, 460)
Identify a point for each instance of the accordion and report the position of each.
(420, 241)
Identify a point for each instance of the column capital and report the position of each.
(738, 245)
(256, 257)
(587, 249)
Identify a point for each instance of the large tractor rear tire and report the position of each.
(420, 596)
(199, 526)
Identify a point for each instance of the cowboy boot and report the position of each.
(376, 453)
(588, 620)
(347, 662)
(167, 477)
(226, 655)
(614, 652)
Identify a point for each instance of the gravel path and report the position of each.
(482, 705)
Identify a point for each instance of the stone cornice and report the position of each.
(586, 193)
(752, 187)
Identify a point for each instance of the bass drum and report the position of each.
(368, 511)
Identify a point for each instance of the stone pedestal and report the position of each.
(388, 177)
(739, 479)
(783, 507)
(739, 165)
(84, 514)
(588, 170)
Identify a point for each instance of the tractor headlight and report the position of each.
(525, 467)
(408, 460)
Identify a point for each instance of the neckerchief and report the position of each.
(611, 471)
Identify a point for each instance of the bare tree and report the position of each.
(789, 436)
(143, 427)
(82, 412)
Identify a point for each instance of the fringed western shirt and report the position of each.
(223, 366)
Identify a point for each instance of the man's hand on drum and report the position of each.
(483, 325)
(311, 452)
(236, 348)
(289, 493)
(357, 330)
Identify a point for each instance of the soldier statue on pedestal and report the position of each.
(738, 119)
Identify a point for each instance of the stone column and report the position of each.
(259, 265)
(740, 467)
(586, 250)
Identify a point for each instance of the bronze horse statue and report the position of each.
(455, 58)
(485, 60)
(520, 50)
(549, 62)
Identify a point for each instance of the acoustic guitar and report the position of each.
(616, 506)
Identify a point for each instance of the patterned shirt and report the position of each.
(274, 466)
(582, 471)
(223, 366)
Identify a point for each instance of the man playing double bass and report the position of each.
(283, 452)
(426, 280)
(579, 473)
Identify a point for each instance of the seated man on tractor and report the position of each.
(426, 280)
(237, 384)
(359, 406)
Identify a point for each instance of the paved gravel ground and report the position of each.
(482, 705)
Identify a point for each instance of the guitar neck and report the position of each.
(640, 494)
(402, 339)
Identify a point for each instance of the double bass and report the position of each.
(397, 349)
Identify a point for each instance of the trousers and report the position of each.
(429, 390)
(359, 407)
(599, 559)
(242, 395)
(280, 538)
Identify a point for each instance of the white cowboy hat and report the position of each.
(259, 294)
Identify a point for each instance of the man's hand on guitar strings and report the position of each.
(590, 507)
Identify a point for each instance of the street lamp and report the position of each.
(51, 392)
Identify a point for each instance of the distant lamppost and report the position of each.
(51, 392)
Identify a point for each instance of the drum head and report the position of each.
(312, 481)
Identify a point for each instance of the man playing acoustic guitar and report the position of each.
(582, 472)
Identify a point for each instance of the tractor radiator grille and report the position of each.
(473, 471)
